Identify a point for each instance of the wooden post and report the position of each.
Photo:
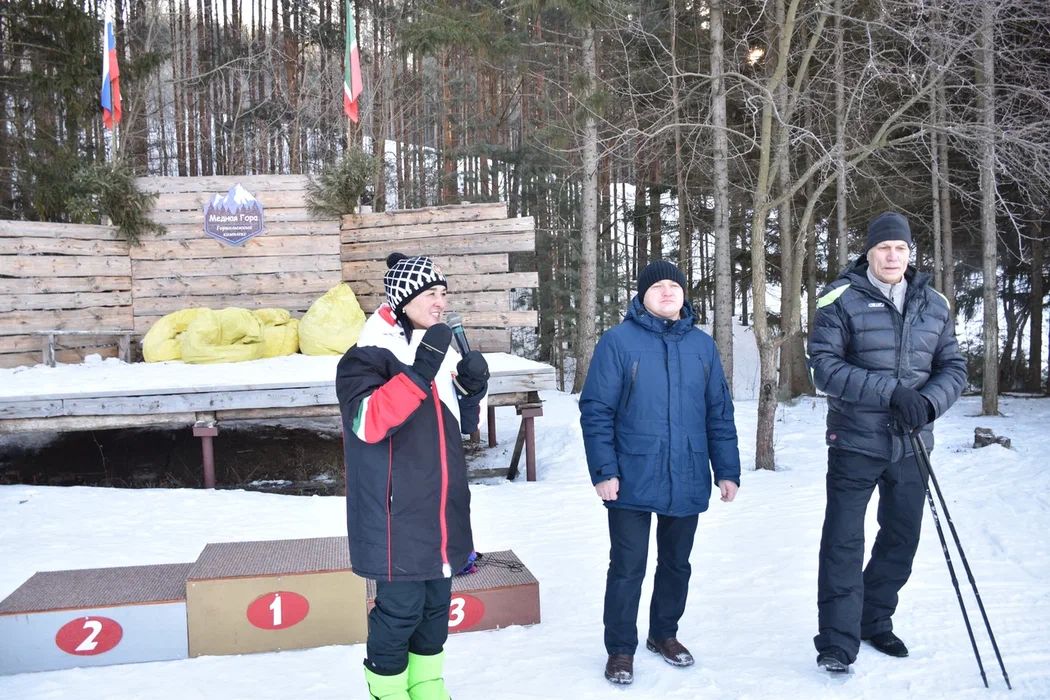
(527, 440)
(124, 347)
(49, 350)
(206, 430)
(492, 425)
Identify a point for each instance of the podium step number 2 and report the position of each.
(94, 617)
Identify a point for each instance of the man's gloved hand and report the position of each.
(472, 373)
(911, 407)
(431, 351)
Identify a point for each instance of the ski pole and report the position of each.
(922, 457)
(926, 474)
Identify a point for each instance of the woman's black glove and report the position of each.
(431, 352)
(911, 407)
(472, 373)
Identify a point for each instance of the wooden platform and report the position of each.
(502, 592)
(94, 617)
(119, 395)
(144, 394)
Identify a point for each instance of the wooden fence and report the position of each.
(288, 266)
(470, 243)
(73, 277)
(61, 276)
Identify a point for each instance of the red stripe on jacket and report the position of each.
(390, 405)
(444, 475)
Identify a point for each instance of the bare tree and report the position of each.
(985, 72)
(723, 321)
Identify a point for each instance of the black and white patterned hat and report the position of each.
(408, 277)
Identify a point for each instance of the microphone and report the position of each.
(455, 322)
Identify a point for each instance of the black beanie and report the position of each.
(407, 278)
(656, 271)
(887, 226)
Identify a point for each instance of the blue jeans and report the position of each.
(629, 551)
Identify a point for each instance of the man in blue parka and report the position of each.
(883, 348)
(657, 416)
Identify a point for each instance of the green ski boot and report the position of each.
(424, 677)
(387, 687)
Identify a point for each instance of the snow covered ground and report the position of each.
(752, 607)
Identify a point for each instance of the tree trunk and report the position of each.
(1035, 303)
(935, 198)
(585, 312)
(841, 227)
(986, 109)
(765, 457)
(723, 321)
(948, 258)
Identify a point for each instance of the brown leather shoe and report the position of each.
(619, 669)
(672, 651)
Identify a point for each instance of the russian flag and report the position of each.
(110, 97)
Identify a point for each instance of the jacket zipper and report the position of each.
(389, 508)
(630, 387)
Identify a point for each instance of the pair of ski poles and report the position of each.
(922, 457)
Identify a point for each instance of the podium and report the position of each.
(267, 596)
(502, 592)
(94, 617)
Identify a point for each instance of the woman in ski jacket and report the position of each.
(406, 397)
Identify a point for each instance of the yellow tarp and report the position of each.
(228, 335)
(332, 324)
(279, 330)
(163, 341)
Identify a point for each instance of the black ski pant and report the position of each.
(853, 603)
(629, 536)
(408, 616)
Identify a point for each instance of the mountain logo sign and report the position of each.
(233, 218)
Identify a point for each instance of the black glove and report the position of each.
(472, 373)
(431, 352)
(911, 407)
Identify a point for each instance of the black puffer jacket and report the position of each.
(861, 348)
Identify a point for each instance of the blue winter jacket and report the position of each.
(657, 413)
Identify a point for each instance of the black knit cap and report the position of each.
(408, 277)
(656, 271)
(887, 226)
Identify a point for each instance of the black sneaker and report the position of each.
(888, 643)
(833, 660)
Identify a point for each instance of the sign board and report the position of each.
(233, 218)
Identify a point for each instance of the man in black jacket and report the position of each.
(883, 349)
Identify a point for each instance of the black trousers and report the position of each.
(629, 537)
(408, 616)
(853, 603)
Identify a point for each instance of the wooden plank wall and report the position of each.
(471, 244)
(293, 262)
(61, 276)
(78, 277)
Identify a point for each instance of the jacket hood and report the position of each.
(636, 312)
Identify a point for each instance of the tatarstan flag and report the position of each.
(110, 97)
(351, 67)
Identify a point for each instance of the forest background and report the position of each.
(748, 141)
